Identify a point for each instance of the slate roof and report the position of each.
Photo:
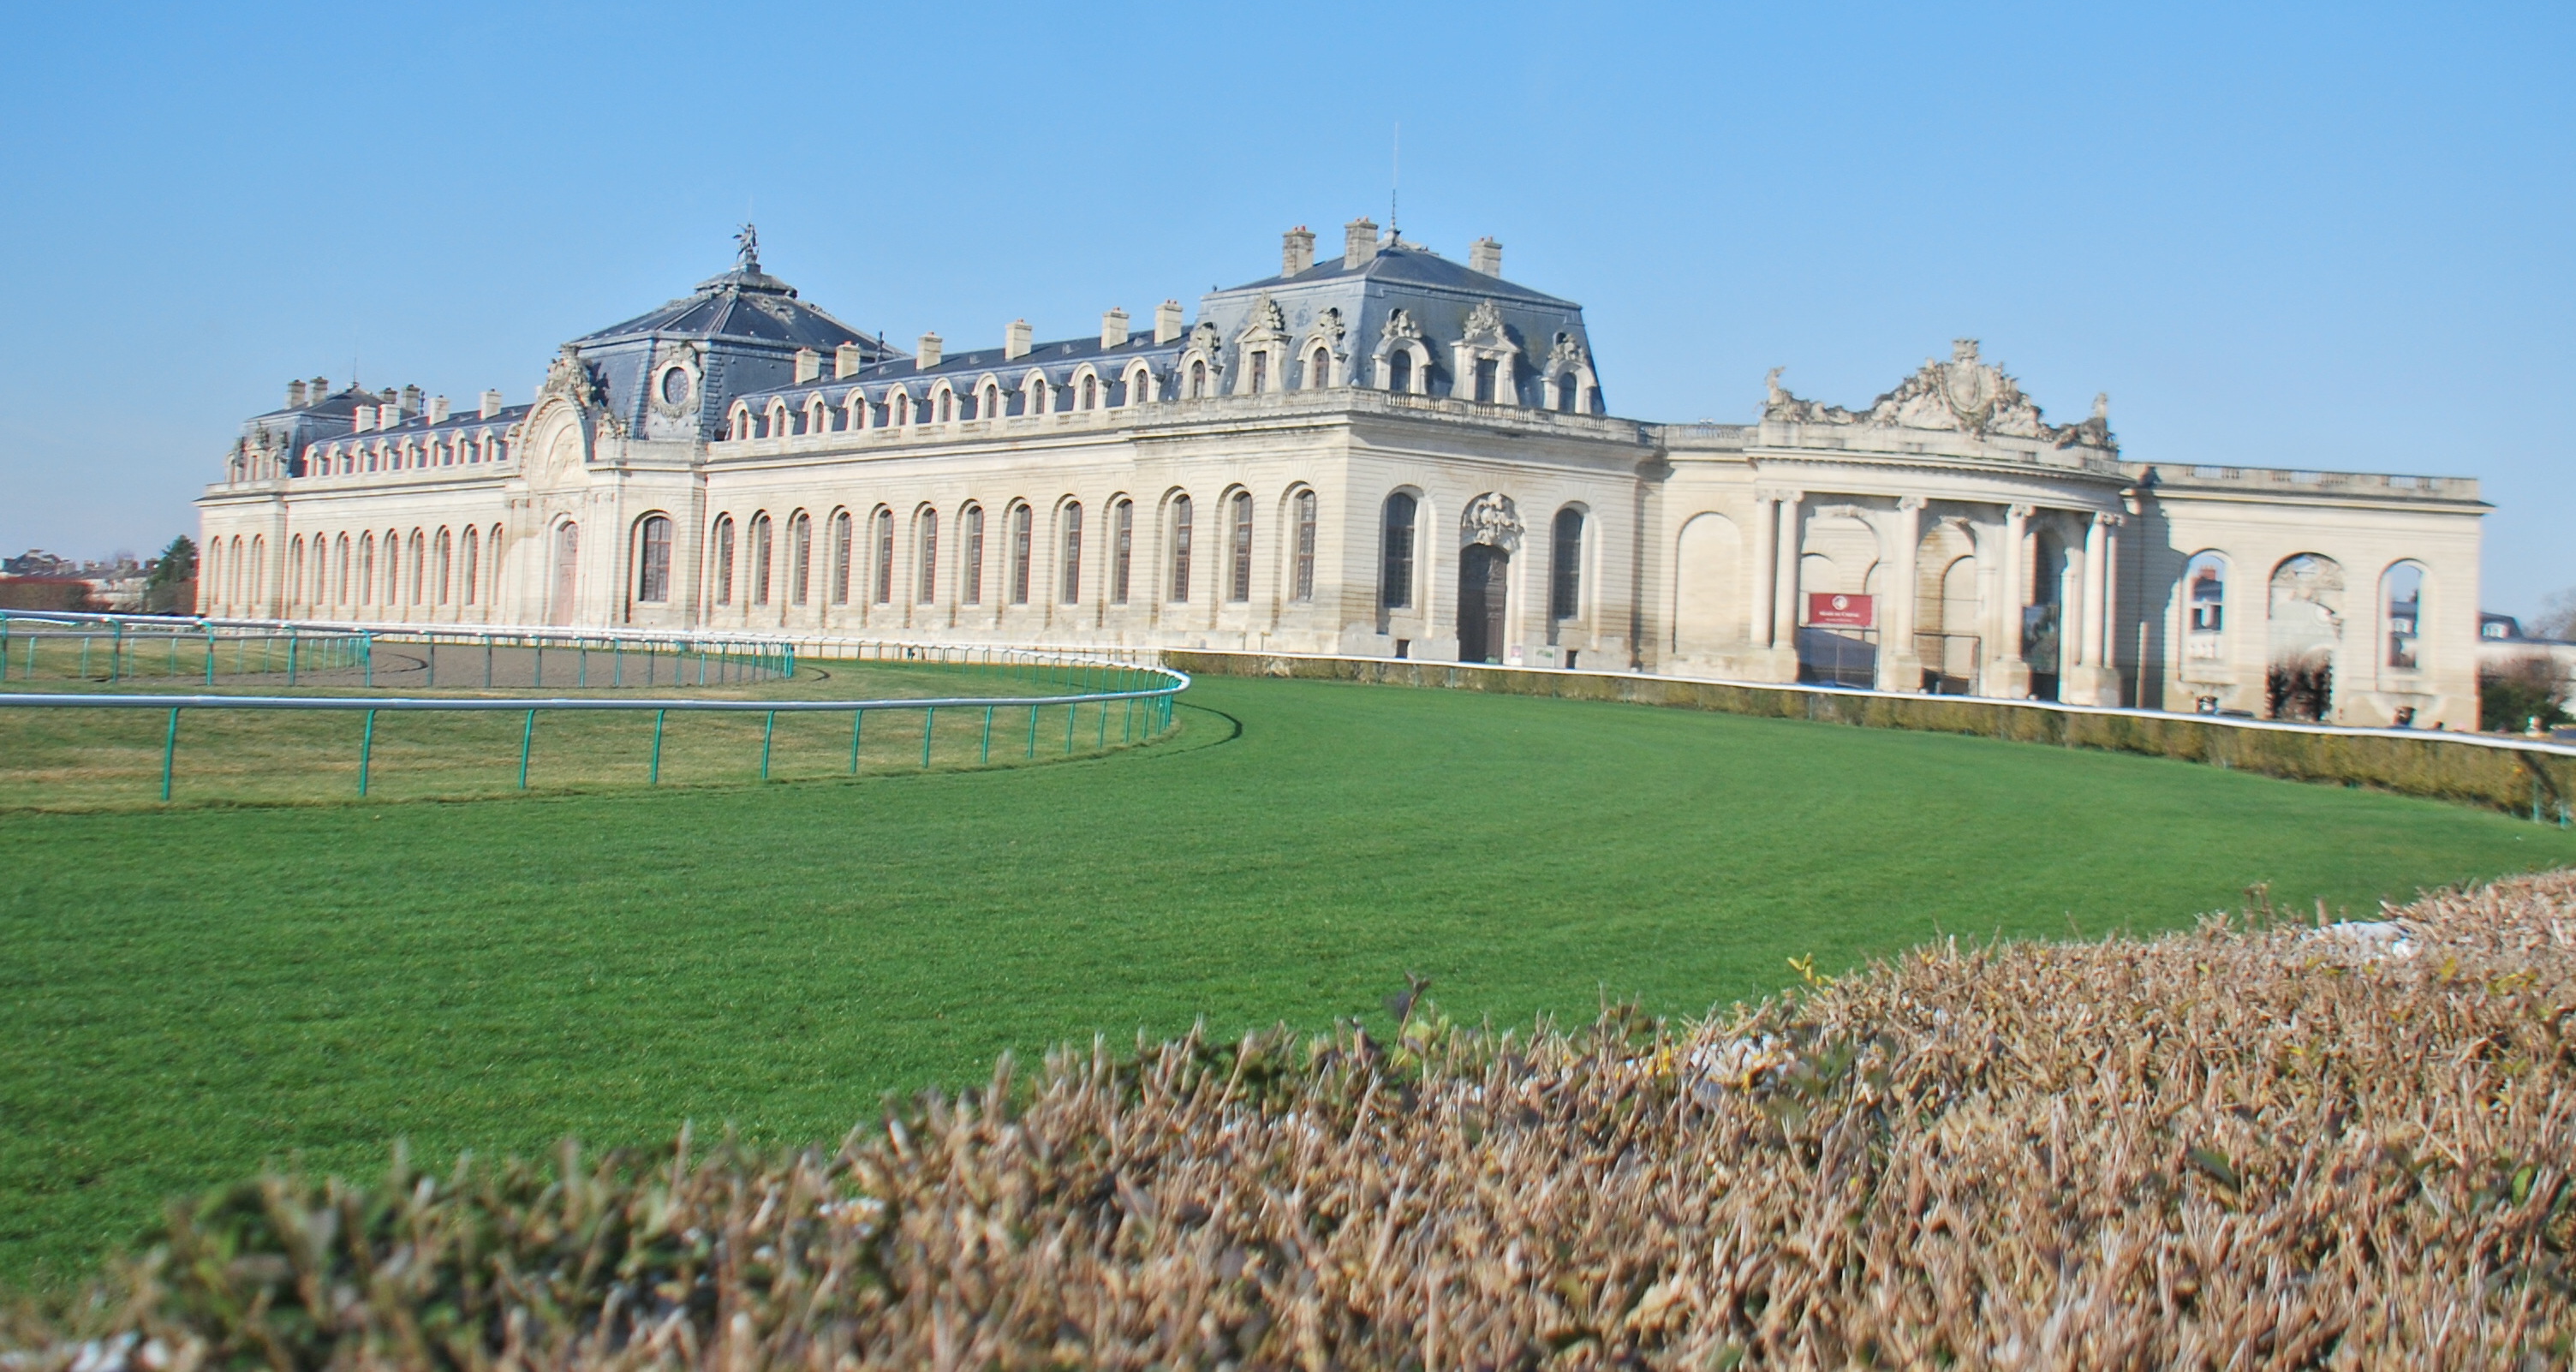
(1407, 264)
(1061, 355)
(744, 304)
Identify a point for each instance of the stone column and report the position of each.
(2089, 649)
(1900, 667)
(2008, 676)
(1766, 527)
(2093, 680)
(1784, 603)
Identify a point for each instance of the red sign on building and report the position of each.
(1829, 611)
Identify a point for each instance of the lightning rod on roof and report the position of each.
(1395, 186)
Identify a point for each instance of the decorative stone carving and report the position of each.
(1493, 520)
(1265, 322)
(1328, 326)
(1964, 395)
(1569, 355)
(579, 384)
(1485, 327)
(1400, 328)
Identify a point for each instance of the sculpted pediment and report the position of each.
(1966, 394)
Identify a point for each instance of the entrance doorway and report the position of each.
(559, 606)
(1482, 590)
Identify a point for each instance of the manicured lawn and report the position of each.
(183, 994)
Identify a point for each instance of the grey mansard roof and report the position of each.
(743, 304)
(1399, 263)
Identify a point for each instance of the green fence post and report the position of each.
(988, 736)
(541, 662)
(290, 657)
(1127, 723)
(366, 658)
(766, 731)
(581, 658)
(1071, 713)
(657, 747)
(366, 752)
(4, 647)
(431, 651)
(857, 718)
(1104, 724)
(527, 736)
(169, 753)
(210, 655)
(929, 716)
(1033, 731)
(487, 662)
(116, 654)
(616, 664)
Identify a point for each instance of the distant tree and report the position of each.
(2557, 618)
(170, 582)
(2514, 693)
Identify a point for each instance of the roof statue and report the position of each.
(747, 250)
(1966, 394)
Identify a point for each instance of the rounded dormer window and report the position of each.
(675, 386)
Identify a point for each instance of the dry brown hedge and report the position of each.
(2239, 1147)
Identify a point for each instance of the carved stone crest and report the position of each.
(1491, 519)
(1265, 321)
(1966, 395)
(1485, 327)
(1400, 326)
(576, 381)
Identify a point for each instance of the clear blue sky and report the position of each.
(2330, 238)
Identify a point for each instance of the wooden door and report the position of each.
(1481, 595)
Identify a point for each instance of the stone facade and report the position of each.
(1383, 454)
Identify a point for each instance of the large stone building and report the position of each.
(1382, 452)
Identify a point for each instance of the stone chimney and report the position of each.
(1485, 255)
(362, 418)
(317, 390)
(1359, 242)
(809, 365)
(1296, 250)
(928, 355)
(1113, 328)
(1167, 321)
(1015, 340)
(411, 400)
(846, 361)
(438, 409)
(295, 395)
(491, 404)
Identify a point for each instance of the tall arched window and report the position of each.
(902, 408)
(2401, 597)
(881, 589)
(1140, 386)
(2204, 581)
(295, 569)
(1090, 392)
(1260, 361)
(947, 406)
(419, 565)
(652, 560)
(366, 568)
(1395, 549)
(1488, 375)
(1198, 379)
(1238, 586)
(1069, 585)
(1399, 371)
(1302, 575)
(446, 564)
(926, 554)
(970, 568)
(1039, 402)
(1122, 548)
(760, 549)
(800, 557)
(1020, 522)
(841, 558)
(340, 567)
(1568, 388)
(1319, 370)
(1565, 580)
(1180, 548)
(474, 560)
(723, 542)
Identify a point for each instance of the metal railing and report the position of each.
(1138, 691)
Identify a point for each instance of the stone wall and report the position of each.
(2493, 773)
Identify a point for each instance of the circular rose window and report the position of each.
(675, 386)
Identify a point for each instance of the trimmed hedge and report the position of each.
(2515, 780)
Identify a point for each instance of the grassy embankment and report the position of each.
(189, 992)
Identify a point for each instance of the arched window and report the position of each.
(366, 568)
(652, 560)
(1198, 379)
(926, 554)
(1488, 373)
(1140, 385)
(2204, 581)
(902, 408)
(1069, 586)
(1122, 548)
(340, 567)
(1301, 580)
(2401, 597)
(818, 420)
(474, 560)
(419, 565)
(1180, 548)
(1319, 369)
(970, 568)
(295, 569)
(760, 540)
(1569, 387)
(947, 406)
(1260, 361)
(1039, 402)
(988, 402)
(1020, 520)
(881, 527)
(841, 558)
(1565, 582)
(446, 564)
(1239, 550)
(1090, 392)
(723, 542)
(1399, 371)
(1395, 552)
(800, 557)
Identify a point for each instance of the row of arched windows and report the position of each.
(2314, 583)
(405, 454)
(361, 570)
(758, 561)
(944, 403)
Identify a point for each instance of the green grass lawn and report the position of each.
(186, 993)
